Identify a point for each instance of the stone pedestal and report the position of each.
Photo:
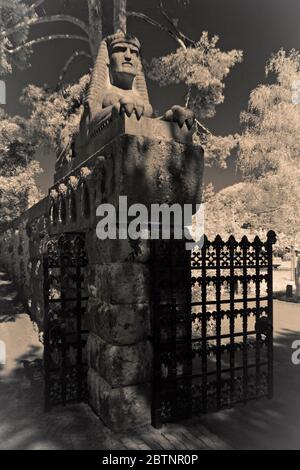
(119, 346)
(150, 162)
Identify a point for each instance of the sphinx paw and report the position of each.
(139, 110)
(127, 107)
(116, 109)
(181, 115)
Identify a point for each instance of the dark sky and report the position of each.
(258, 27)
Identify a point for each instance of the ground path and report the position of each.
(265, 424)
(23, 424)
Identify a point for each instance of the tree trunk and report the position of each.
(105, 18)
(95, 25)
(292, 263)
(120, 18)
(113, 16)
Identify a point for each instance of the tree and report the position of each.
(226, 212)
(55, 116)
(269, 147)
(18, 170)
(200, 65)
(17, 19)
(269, 159)
(18, 192)
(270, 141)
(55, 113)
(255, 207)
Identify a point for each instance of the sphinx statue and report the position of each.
(118, 86)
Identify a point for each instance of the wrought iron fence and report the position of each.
(65, 332)
(212, 325)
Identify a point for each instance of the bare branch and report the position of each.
(47, 19)
(47, 39)
(188, 97)
(204, 129)
(187, 41)
(156, 24)
(69, 63)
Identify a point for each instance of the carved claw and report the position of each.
(181, 116)
(116, 109)
(180, 119)
(190, 122)
(127, 106)
(139, 111)
(169, 116)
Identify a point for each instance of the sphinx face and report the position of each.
(124, 64)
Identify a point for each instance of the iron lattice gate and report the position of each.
(65, 333)
(212, 326)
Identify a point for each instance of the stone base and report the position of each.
(119, 283)
(121, 325)
(119, 408)
(120, 365)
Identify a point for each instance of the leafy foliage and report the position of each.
(271, 138)
(12, 13)
(55, 116)
(17, 144)
(19, 192)
(255, 207)
(216, 148)
(225, 211)
(201, 68)
(268, 155)
(18, 170)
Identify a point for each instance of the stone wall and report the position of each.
(20, 253)
(147, 164)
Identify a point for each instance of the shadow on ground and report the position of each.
(23, 422)
(24, 425)
(266, 424)
(269, 424)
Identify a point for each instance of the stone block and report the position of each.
(120, 365)
(152, 171)
(119, 324)
(120, 283)
(115, 251)
(119, 408)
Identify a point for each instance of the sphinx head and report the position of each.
(119, 64)
(124, 60)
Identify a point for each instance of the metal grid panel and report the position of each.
(65, 330)
(212, 325)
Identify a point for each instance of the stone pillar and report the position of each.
(150, 162)
(119, 348)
